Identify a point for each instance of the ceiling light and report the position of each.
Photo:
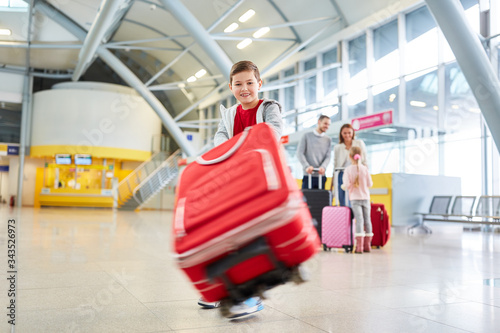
(388, 130)
(392, 97)
(475, 110)
(5, 32)
(247, 15)
(455, 107)
(261, 32)
(200, 73)
(418, 104)
(191, 79)
(230, 28)
(435, 107)
(244, 43)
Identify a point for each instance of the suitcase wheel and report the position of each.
(324, 247)
(225, 305)
(297, 276)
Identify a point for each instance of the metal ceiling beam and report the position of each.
(200, 34)
(217, 35)
(188, 48)
(340, 12)
(472, 58)
(195, 105)
(277, 8)
(278, 26)
(26, 111)
(181, 47)
(124, 72)
(94, 38)
(288, 53)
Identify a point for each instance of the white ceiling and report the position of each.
(149, 19)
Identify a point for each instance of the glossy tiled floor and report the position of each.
(86, 270)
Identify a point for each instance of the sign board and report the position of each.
(372, 120)
(8, 150)
(284, 139)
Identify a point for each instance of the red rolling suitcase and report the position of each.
(240, 222)
(380, 225)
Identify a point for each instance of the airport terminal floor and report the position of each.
(99, 270)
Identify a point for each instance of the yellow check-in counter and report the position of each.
(75, 198)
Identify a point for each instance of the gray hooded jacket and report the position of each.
(269, 112)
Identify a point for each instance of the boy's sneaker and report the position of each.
(246, 308)
(208, 305)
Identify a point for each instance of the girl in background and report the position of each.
(357, 181)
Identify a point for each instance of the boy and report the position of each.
(245, 83)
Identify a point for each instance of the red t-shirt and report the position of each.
(245, 118)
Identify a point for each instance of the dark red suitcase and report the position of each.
(240, 222)
(380, 224)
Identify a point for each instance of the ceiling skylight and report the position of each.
(230, 28)
(245, 17)
(244, 43)
(261, 32)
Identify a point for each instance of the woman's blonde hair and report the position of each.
(355, 155)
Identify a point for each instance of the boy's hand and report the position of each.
(322, 171)
(309, 169)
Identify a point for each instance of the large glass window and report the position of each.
(289, 92)
(462, 111)
(275, 93)
(310, 83)
(422, 156)
(422, 41)
(385, 53)
(462, 158)
(384, 158)
(330, 77)
(358, 78)
(385, 97)
(356, 102)
(422, 99)
(13, 3)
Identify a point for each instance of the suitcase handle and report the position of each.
(226, 155)
(320, 179)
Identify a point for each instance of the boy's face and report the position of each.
(245, 88)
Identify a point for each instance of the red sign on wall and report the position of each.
(372, 120)
(284, 139)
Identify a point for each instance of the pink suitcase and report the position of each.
(337, 228)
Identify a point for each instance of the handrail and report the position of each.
(127, 186)
(154, 182)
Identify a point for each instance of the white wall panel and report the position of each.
(92, 117)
